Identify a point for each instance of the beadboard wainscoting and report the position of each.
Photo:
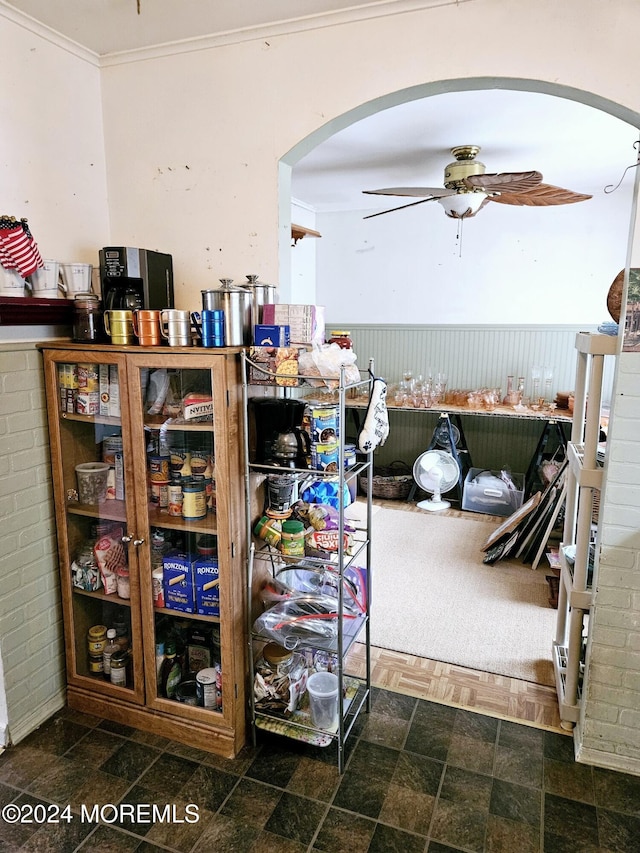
(472, 356)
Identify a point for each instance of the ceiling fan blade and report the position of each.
(542, 195)
(434, 192)
(402, 206)
(504, 181)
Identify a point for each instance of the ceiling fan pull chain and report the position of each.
(610, 188)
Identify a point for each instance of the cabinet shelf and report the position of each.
(91, 419)
(158, 518)
(109, 510)
(181, 614)
(100, 595)
(136, 526)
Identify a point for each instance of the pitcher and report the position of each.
(175, 326)
(146, 327)
(119, 326)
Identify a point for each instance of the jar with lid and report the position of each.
(118, 668)
(342, 337)
(87, 318)
(292, 542)
(281, 677)
(97, 639)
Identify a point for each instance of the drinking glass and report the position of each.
(547, 376)
(536, 376)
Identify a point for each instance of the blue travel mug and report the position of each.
(212, 328)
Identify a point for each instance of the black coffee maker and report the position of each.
(280, 439)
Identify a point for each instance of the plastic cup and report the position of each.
(92, 482)
(323, 699)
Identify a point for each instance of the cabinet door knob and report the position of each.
(126, 539)
(138, 541)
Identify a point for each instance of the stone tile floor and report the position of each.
(419, 777)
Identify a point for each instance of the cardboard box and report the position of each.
(271, 336)
(306, 322)
(103, 373)
(177, 581)
(114, 392)
(207, 586)
(485, 491)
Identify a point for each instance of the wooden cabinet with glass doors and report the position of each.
(148, 491)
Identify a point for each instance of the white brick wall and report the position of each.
(31, 644)
(609, 730)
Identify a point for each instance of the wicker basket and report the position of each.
(393, 482)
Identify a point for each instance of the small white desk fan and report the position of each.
(435, 471)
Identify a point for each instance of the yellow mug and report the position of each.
(119, 326)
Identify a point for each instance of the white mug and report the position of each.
(76, 278)
(11, 283)
(45, 278)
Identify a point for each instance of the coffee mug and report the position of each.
(210, 327)
(76, 278)
(45, 280)
(175, 326)
(11, 283)
(119, 326)
(146, 327)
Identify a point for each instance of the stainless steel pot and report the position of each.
(236, 304)
(261, 294)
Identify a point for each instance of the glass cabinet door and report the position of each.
(174, 411)
(98, 541)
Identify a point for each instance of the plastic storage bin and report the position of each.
(485, 491)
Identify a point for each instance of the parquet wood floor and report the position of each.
(494, 695)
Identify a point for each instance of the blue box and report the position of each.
(206, 579)
(271, 336)
(177, 580)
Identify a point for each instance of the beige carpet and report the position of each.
(433, 597)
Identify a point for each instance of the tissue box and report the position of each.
(485, 491)
(306, 322)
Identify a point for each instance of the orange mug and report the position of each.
(146, 326)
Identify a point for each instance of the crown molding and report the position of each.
(46, 33)
(361, 12)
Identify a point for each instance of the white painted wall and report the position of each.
(193, 140)
(518, 265)
(52, 171)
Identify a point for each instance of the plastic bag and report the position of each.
(308, 620)
(325, 362)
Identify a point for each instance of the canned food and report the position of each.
(160, 494)
(88, 378)
(323, 421)
(208, 685)
(159, 469)
(174, 492)
(194, 501)
(324, 457)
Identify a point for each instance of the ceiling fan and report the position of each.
(467, 188)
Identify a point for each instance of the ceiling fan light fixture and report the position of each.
(462, 205)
